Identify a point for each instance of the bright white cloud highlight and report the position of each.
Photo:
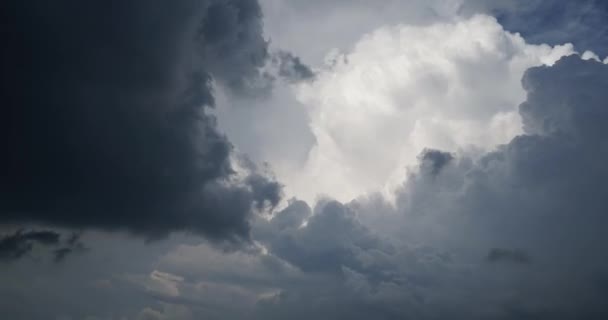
(450, 86)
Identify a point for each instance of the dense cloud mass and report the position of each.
(105, 121)
(536, 204)
(493, 144)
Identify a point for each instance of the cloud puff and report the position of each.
(288, 22)
(332, 238)
(105, 119)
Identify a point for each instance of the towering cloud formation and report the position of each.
(449, 86)
(105, 121)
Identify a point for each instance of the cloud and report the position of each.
(230, 37)
(302, 27)
(540, 193)
(288, 24)
(434, 160)
(522, 185)
(72, 245)
(20, 243)
(445, 247)
(448, 86)
(92, 283)
(292, 68)
(106, 120)
(510, 228)
(332, 239)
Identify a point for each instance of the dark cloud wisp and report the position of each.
(20, 243)
(291, 67)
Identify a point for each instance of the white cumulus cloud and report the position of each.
(451, 86)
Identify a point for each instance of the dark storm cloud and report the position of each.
(104, 115)
(230, 37)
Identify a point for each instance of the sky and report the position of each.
(286, 159)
